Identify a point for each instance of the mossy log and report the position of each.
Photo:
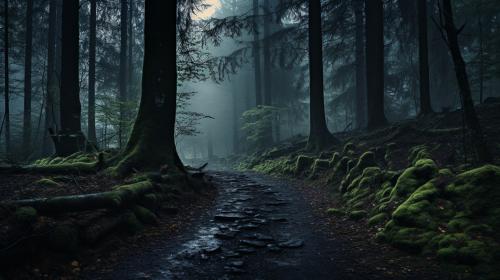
(119, 197)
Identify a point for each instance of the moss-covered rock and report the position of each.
(357, 215)
(336, 212)
(348, 148)
(378, 219)
(47, 182)
(334, 160)
(366, 160)
(319, 166)
(303, 164)
(418, 153)
(413, 177)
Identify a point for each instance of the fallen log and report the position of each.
(120, 196)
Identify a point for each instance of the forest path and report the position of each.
(259, 228)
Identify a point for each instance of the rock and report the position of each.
(249, 226)
(212, 249)
(278, 219)
(225, 235)
(253, 243)
(228, 217)
(263, 237)
(234, 270)
(236, 264)
(292, 243)
(246, 250)
(231, 254)
(273, 248)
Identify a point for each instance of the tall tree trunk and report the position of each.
(319, 136)
(257, 55)
(423, 51)
(267, 54)
(91, 133)
(27, 78)
(130, 63)
(152, 143)
(375, 63)
(123, 69)
(360, 65)
(70, 139)
(58, 62)
(471, 119)
(6, 78)
(50, 115)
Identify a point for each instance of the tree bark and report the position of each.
(130, 64)
(6, 78)
(123, 69)
(471, 119)
(423, 50)
(50, 115)
(91, 133)
(151, 143)
(375, 63)
(256, 56)
(70, 139)
(360, 65)
(27, 78)
(319, 136)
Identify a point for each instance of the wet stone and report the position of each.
(212, 249)
(278, 219)
(246, 250)
(249, 226)
(236, 264)
(226, 235)
(228, 217)
(231, 254)
(273, 248)
(234, 270)
(253, 243)
(292, 243)
(263, 237)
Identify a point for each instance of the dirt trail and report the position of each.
(258, 228)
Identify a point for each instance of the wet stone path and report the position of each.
(258, 228)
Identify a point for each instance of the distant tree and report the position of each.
(319, 136)
(423, 48)
(471, 119)
(27, 78)
(268, 18)
(123, 67)
(256, 55)
(91, 132)
(358, 6)
(6, 117)
(375, 63)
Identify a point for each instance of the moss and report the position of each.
(414, 214)
(418, 153)
(145, 216)
(366, 160)
(339, 171)
(47, 182)
(64, 238)
(319, 166)
(25, 215)
(378, 219)
(335, 158)
(278, 166)
(357, 215)
(335, 212)
(413, 177)
(303, 164)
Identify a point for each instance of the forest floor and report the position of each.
(267, 228)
